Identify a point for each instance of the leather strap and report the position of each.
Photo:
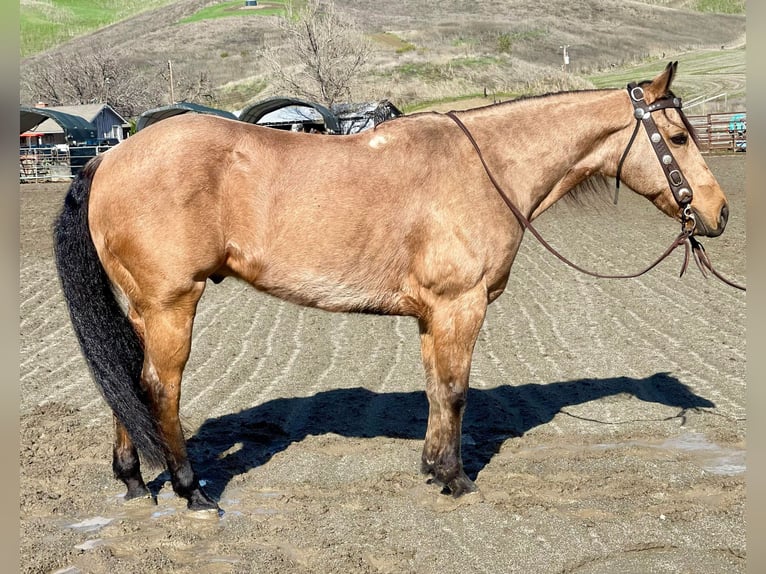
(684, 238)
(682, 191)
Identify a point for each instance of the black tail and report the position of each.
(107, 339)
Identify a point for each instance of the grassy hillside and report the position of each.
(718, 75)
(422, 56)
(237, 8)
(45, 24)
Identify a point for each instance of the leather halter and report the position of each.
(672, 173)
(682, 191)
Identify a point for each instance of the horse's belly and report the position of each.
(324, 291)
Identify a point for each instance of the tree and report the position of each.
(324, 55)
(195, 88)
(92, 76)
(97, 75)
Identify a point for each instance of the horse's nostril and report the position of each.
(724, 217)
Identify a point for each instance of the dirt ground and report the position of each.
(605, 425)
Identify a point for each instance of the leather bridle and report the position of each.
(682, 192)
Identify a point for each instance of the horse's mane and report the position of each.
(593, 189)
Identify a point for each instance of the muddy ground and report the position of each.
(605, 425)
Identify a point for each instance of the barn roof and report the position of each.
(75, 126)
(289, 110)
(89, 111)
(155, 115)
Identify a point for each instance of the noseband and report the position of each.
(642, 111)
(682, 192)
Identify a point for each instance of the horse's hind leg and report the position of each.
(126, 464)
(167, 332)
(448, 337)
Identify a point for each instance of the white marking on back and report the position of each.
(377, 141)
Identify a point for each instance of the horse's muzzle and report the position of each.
(703, 228)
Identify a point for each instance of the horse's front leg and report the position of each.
(447, 338)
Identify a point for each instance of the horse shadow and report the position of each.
(232, 444)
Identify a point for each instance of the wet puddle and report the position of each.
(711, 457)
(99, 530)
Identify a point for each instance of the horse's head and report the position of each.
(668, 168)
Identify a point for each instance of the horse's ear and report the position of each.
(660, 85)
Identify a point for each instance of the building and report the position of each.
(52, 131)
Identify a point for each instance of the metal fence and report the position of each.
(726, 131)
(54, 163)
(44, 164)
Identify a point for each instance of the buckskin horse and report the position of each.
(420, 217)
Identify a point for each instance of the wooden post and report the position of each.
(170, 70)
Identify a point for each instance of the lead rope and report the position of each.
(684, 238)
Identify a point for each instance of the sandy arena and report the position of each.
(605, 425)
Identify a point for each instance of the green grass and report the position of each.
(426, 71)
(474, 61)
(236, 95)
(703, 73)
(431, 72)
(428, 104)
(45, 24)
(391, 40)
(720, 6)
(237, 8)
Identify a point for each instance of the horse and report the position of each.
(403, 219)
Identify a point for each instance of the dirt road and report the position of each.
(605, 425)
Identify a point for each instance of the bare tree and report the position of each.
(193, 87)
(97, 75)
(324, 55)
(92, 76)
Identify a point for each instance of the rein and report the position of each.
(682, 193)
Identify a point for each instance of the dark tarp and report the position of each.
(75, 128)
(151, 116)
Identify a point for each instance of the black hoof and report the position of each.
(198, 500)
(455, 483)
(461, 485)
(137, 490)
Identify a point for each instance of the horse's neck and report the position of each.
(541, 148)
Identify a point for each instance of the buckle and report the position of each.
(675, 178)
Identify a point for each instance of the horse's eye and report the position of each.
(679, 139)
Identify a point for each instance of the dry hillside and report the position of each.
(422, 53)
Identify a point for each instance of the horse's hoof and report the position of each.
(461, 485)
(146, 500)
(199, 501)
(139, 495)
